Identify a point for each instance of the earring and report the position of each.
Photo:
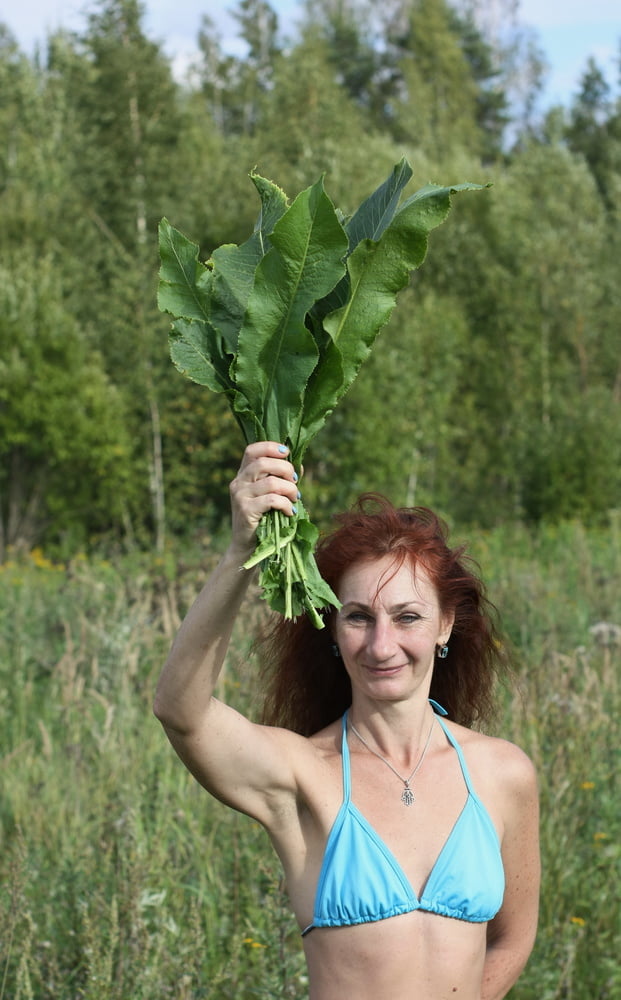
(335, 650)
(442, 652)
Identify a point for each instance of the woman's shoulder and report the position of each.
(504, 778)
(328, 740)
(497, 758)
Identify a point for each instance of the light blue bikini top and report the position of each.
(361, 881)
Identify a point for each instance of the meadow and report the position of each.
(122, 880)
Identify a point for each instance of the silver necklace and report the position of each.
(407, 795)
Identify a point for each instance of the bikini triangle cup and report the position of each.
(361, 881)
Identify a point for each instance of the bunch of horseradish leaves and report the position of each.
(281, 326)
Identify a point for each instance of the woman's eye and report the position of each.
(357, 617)
(408, 619)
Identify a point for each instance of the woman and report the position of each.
(409, 841)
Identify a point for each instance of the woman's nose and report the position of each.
(381, 641)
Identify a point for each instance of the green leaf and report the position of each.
(327, 383)
(196, 353)
(185, 284)
(325, 387)
(274, 204)
(233, 278)
(277, 353)
(377, 211)
(379, 270)
(234, 267)
(368, 222)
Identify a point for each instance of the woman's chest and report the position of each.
(415, 828)
(363, 820)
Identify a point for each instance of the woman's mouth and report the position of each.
(384, 671)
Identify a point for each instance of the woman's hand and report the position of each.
(266, 480)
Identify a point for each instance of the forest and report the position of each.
(492, 394)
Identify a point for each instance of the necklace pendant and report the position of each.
(407, 796)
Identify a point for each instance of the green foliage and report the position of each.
(483, 404)
(126, 103)
(535, 370)
(282, 324)
(62, 432)
(432, 81)
(594, 128)
(347, 30)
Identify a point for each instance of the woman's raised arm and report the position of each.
(216, 743)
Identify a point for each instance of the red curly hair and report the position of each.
(307, 686)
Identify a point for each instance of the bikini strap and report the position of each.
(346, 765)
(437, 707)
(459, 752)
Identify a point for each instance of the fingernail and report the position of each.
(283, 449)
(295, 477)
(299, 495)
(294, 509)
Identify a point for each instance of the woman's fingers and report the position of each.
(266, 480)
(268, 460)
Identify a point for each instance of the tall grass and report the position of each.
(122, 880)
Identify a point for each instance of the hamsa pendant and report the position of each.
(407, 796)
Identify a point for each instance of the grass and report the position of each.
(123, 880)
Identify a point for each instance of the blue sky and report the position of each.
(568, 31)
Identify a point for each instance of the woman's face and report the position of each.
(388, 628)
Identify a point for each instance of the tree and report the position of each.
(497, 368)
(309, 125)
(519, 65)
(64, 446)
(346, 26)
(259, 29)
(492, 106)
(418, 67)
(231, 84)
(37, 139)
(432, 88)
(126, 101)
(590, 130)
(528, 271)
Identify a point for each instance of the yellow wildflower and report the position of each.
(600, 836)
(578, 921)
(587, 785)
(39, 560)
(254, 944)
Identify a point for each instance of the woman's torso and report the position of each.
(417, 954)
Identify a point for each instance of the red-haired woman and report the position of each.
(409, 841)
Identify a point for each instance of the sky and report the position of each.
(567, 31)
